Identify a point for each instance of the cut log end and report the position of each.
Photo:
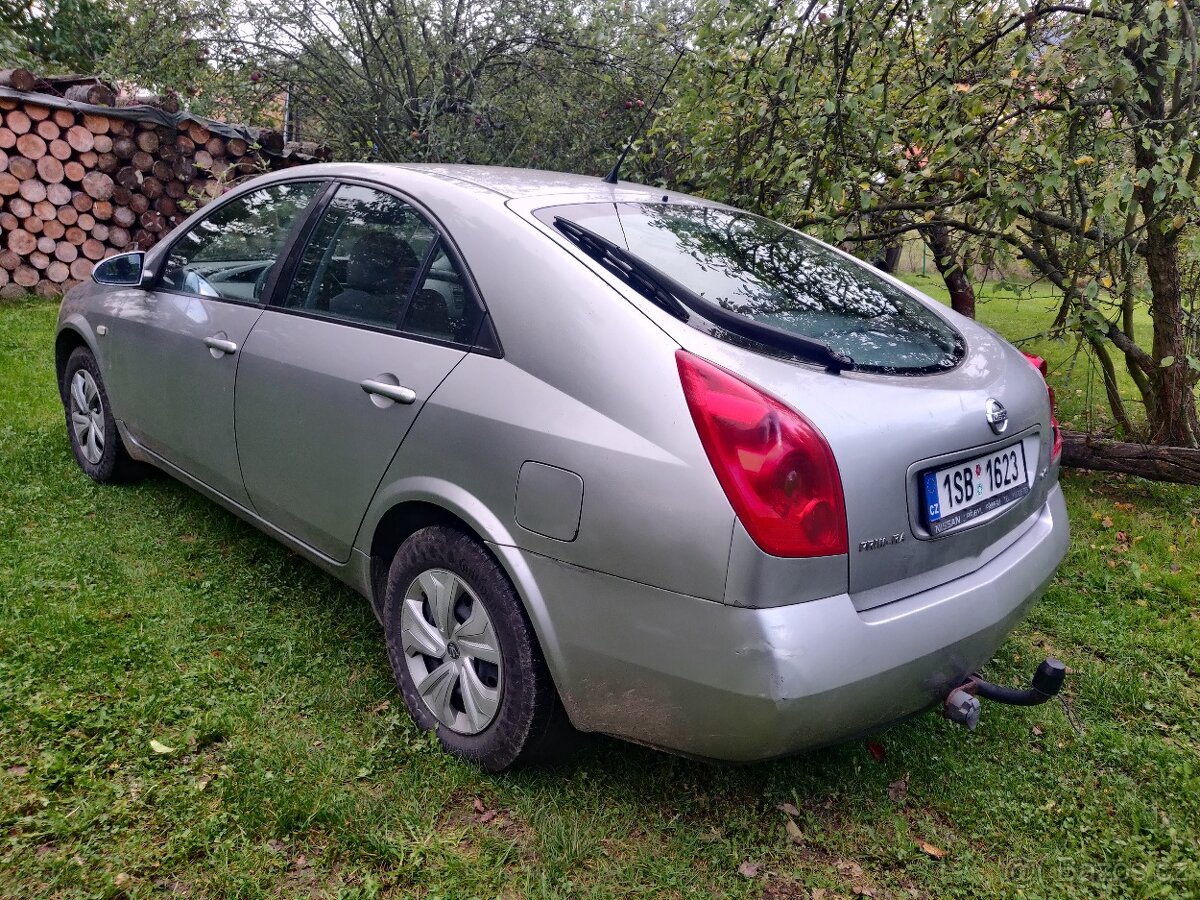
(77, 187)
(18, 79)
(95, 94)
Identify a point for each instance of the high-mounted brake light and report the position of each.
(776, 468)
(1040, 364)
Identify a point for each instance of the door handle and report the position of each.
(220, 344)
(396, 392)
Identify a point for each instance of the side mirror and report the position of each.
(124, 269)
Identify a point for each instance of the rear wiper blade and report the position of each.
(663, 290)
(639, 275)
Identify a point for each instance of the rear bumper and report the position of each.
(724, 682)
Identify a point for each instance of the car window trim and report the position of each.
(381, 329)
(296, 243)
(442, 238)
(298, 237)
(156, 285)
(419, 279)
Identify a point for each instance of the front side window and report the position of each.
(769, 274)
(231, 252)
(362, 260)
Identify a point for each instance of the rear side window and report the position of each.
(442, 308)
(767, 273)
(231, 252)
(373, 259)
(362, 259)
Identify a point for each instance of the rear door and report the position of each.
(337, 370)
(175, 348)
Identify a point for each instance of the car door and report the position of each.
(175, 347)
(338, 367)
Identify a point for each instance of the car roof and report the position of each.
(518, 183)
(499, 183)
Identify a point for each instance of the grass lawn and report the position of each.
(187, 709)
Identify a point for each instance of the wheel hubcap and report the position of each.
(451, 651)
(87, 416)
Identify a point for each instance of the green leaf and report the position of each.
(1166, 361)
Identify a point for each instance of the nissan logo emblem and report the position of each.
(996, 414)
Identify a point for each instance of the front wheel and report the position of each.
(464, 653)
(90, 424)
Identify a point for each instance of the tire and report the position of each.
(504, 711)
(90, 424)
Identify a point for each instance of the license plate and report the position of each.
(960, 493)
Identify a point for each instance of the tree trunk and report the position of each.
(962, 295)
(1111, 389)
(890, 258)
(1174, 420)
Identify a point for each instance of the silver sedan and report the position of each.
(601, 456)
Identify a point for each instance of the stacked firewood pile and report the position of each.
(79, 183)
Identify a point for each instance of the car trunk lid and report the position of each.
(888, 432)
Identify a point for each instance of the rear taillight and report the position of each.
(1040, 364)
(776, 468)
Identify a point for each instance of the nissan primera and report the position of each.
(597, 454)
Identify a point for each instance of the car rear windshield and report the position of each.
(767, 273)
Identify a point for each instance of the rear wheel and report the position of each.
(90, 423)
(464, 652)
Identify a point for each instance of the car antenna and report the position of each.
(611, 177)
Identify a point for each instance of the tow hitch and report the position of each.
(962, 703)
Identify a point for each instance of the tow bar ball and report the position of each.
(962, 703)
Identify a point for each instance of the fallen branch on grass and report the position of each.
(1178, 464)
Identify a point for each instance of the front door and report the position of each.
(176, 347)
(334, 374)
